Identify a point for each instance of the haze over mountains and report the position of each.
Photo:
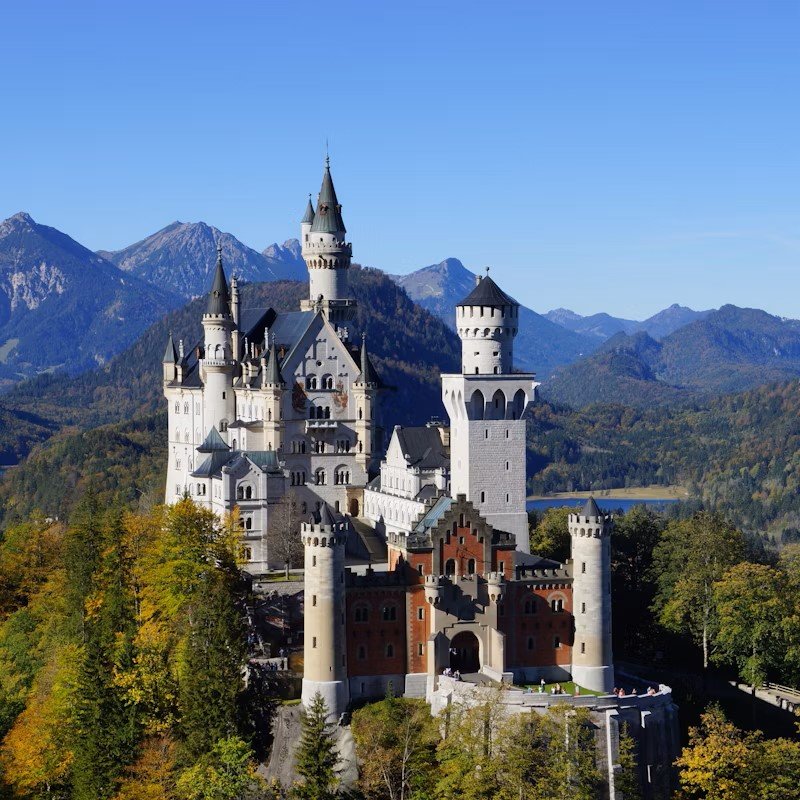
(63, 306)
(181, 258)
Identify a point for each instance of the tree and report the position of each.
(396, 747)
(750, 607)
(150, 777)
(549, 536)
(316, 754)
(225, 773)
(285, 545)
(689, 558)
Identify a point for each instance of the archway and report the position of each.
(353, 507)
(465, 652)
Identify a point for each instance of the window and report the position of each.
(483, 497)
(314, 641)
(248, 554)
(248, 523)
(450, 567)
(506, 433)
(583, 566)
(313, 599)
(362, 652)
(177, 407)
(311, 382)
(248, 493)
(389, 651)
(507, 466)
(486, 433)
(583, 608)
(185, 408)
(223, 395)
(362, 614)
(240, 492)
(389, 613)
(420, 569)
(530, 643)
(583, 647)
(420, 613)
(556, 605)
(313, 561)
(420, 649)
(319, 477)
(471, 567)
(556, 642)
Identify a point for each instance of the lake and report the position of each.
(605, 503)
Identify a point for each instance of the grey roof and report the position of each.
(591, 509)
(328, 218)
(488, 293)
(273, 372)
(253, 322)
(170, 354)
(288, 328)
(368, 374)
(219, 301)
(427, 492)
(212, 464)
(430, 519)
(422, 447)
(309, 215)
(325, 515)
(213, 443)
(266, 459)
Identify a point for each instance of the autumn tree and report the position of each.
(690, 557)
(317, 756)
(226, 772)
(284, 542)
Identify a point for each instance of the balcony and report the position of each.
(321, 425)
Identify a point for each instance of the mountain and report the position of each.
(407, 344)
(604, 326)
(181, 258)
(540, 346)
(63, 306)
(724, 351)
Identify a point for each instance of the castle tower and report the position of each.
(169, 362)
(218, 365)
(324, 652)
(327, 256)
(273, 386)
(364, 389)
(486, 404)
(592, 659)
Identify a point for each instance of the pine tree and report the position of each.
(316, 755)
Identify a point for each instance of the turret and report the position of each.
(365, 388)
(592, 659)
(218, 363)
(327, 256)
(170, 361)
(273, 387)
(487, 320)
(325, 647)
(235, 312)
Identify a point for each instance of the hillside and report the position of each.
(541, 346)
(181, 258)
(727, 350)
(737, 453)
(131, 384)
(64, 307)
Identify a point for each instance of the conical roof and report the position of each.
(170, 354)
(591, 509)
(368, 373)
(309, 215)
(213, 442)
(219, 300)
(273, 373)
(488, 293)
(326, 515)
(328, 217)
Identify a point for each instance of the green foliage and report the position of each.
(690, 557)
(316, 754)
(549, 533)
(225, 772)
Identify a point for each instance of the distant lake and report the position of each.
(605, 503)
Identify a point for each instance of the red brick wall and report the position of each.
(376, 633)
(418, 630)
(462, 546)
(543, 625)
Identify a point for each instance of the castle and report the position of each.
(275, 402)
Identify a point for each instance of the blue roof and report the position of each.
(288, 328)
(430, 519)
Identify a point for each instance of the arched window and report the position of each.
(248, 523)
(450, 567)
(327, 382)
(177, 407)
(361, 614)
(389, 651)
(248, 493)
(240, 492)
(327, 412)
(471, 567)
(478, 403)
(319, 477)
(389, 613)
(311, 382)
(556, 604)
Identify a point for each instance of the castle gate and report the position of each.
(465, 652)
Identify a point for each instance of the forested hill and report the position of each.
(408, 346)
(739, 453)
(728, 350)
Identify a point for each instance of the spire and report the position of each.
(213, 442)
(273, 373)
(368, 374)
(170, 354)
(328, 218)
(309, 215)
(326, 516)
(219, 300)
(591, 509)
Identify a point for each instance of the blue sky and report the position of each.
(616, 156)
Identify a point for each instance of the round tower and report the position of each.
(324, 651)
(592, 659)
(327, 255)
(487, 321)
(218, 363)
